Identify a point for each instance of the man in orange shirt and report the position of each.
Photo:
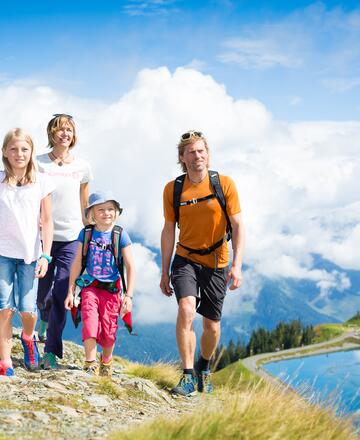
(200, 271)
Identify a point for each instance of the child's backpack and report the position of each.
(114, 247)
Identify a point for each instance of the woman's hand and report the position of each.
(69, 301)
(41, 267)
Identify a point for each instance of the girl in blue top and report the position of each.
(100, 299)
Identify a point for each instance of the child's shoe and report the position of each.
(31, 353)
(91, 367)
(105, 368)
(49, 362)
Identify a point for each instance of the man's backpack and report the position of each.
(217, 193)
(114, 247)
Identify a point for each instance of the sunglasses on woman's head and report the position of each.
(56, 115)
(190, 134)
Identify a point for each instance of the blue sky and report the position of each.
(300, 58)
(275, 86)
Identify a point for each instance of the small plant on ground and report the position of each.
(163, 375)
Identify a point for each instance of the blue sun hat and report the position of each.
(99, 197)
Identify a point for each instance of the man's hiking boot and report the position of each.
(49, 362)
(42, 331)
(186, 386)
(31, 353)
(204, 382)
(105, 369)
(91, 367)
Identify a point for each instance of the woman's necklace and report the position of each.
(60, 161)
(19, 180)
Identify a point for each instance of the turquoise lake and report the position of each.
(332, 378)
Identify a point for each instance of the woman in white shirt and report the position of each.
(71, 176)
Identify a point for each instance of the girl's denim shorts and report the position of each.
(18, 285)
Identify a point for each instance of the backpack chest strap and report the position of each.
(195, 201)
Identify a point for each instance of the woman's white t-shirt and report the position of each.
(66, 206)
(20, 217)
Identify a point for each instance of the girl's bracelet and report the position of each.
(48, 258)
(128, 296)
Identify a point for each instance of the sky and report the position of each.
(273, 85)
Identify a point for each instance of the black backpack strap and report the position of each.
(178, 186)
(195, 201)
(119, 261)
(208, 250)
(88, 230)
(219, 194)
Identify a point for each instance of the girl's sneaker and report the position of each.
(91, 367)
(6, 371)
(49, 362)
(31, 353)
(105, 368)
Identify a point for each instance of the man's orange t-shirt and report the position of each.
(204, 223)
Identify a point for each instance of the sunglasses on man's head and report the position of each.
(190, 134)
(56, 115)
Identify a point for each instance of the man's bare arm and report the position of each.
(167, 248)
(238, 244)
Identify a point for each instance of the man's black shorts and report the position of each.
(206, 284)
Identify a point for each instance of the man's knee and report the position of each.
(187, 309)
(212, 328)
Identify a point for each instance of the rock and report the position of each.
(98, 401)
(36, 405)
(148, 388)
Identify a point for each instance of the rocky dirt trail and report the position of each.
(70, 404)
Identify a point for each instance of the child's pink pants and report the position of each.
(99, 314)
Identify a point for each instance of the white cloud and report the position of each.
(151, 306)
(295, 101)
(147, 7)
(248, 293)
(339, 85)
(256, 54)
(298, 182)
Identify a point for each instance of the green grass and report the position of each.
(163, 375)
(234, 375)
(325, 332)
(354, 321)
(259, 412)
(109, 388)
(243, 407)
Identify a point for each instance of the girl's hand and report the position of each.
(69, 301)
(41, 268)
(126, 305)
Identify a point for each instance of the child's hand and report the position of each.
(126, 305)
(41, 267)
(69, 301)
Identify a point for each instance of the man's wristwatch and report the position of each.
(48, 258)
